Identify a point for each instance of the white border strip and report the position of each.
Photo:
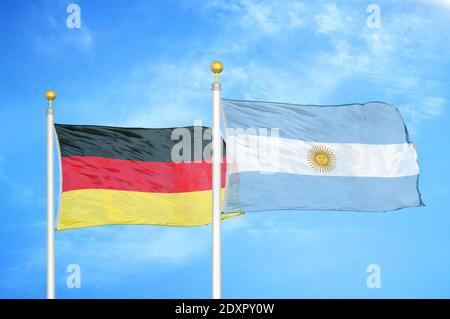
(269, 154)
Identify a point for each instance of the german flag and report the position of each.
(114, 175)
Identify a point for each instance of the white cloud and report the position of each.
(388, 60)
(333, 20)
(444, 3)
(19, 192)
(272, 17)
(55, 43)
(423, 108)
(266, 17)
(168, 94)
(58, 39)
(137, 244)
(352, 53)
(134, 244)
(434, 105)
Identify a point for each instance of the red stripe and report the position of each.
(89, 172)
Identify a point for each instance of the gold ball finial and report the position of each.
(216, 68)
(50, 95)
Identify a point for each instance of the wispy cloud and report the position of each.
(443, 3)
(168, 93)
(392, 62)
(18, 192)
(332, 20)
(260, 16)
(134, 244)
(59, 42)
(53, 37)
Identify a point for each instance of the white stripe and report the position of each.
(268, 154)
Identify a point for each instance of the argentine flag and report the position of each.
(354, 157)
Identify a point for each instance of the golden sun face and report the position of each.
(321, 158)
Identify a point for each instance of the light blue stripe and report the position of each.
(371, 123)
(252, 191)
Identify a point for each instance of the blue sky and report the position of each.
(142, 63)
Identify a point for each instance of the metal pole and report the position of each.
(216, 67)
(50, 95)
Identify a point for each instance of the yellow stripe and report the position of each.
(95, 207)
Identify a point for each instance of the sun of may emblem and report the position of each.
(321, 159)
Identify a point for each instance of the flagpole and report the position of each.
(216, 68)
(50, 95)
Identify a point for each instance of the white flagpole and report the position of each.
(50, 95)
(216, 67)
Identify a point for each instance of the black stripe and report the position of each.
(139, 144)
